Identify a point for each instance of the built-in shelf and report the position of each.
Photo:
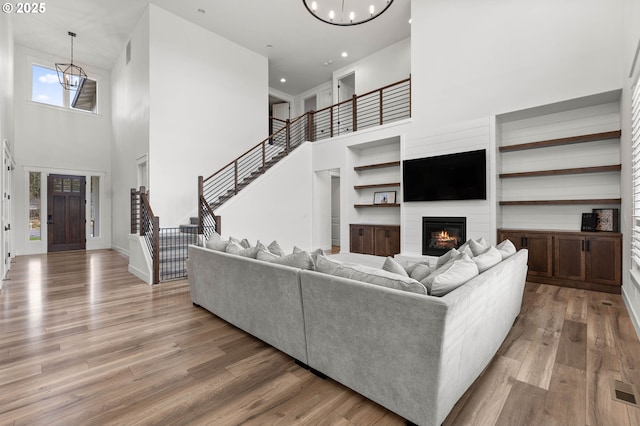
(377, 185)
(376, 166)
(563, 141)
(557, 172)
(606, 201)
(357, 206)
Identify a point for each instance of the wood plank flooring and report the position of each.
(84, 342)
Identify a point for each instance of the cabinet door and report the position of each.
(540, 254)
(569, 257)
(604, 260)
(517, 238)
(361, 239)
(387, 241)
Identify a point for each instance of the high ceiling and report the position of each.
(299, 43)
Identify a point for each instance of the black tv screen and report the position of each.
(460, 176)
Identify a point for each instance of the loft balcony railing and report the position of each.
(381, 106)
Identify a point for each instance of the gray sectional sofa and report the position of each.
(412, 353)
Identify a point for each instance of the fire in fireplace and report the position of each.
(441, 234)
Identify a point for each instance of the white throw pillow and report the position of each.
(217, 245)
(488, 259)
(266, 255)
(392, 266)
(237, 249)
(300, 260)
(450, 276)
(379, 277)
(327, 265)
(421, 271)
(506, 249)
(478, 246)
(451, 255)
(275, 248)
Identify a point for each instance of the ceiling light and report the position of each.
(283, 80)
(202, 11)
(409, 20)
(346, 12)
(70, 75)
(344, 54)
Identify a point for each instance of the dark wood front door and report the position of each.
(66, 220)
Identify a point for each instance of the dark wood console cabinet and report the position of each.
(379, 240)
(587, 260)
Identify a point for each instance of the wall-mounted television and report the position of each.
(459, 176)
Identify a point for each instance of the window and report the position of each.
(95, 206)
(46, 89)
(34, 206)
(635, 144)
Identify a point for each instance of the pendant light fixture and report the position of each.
(346, 12)
(71, 76)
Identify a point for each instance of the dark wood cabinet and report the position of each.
(540, 246)
(380, 240)
(588, 260)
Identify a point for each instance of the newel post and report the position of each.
(200, 196)
(288, 138)
(134, 211)
(310, 136)
(354, 111)
(156, 249)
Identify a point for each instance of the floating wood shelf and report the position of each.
(376, 185)
(561, 202)
(376, 166)
(572, 171)
(357, 206)
(562, 141)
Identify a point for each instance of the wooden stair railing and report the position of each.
(384, 105)
(150, 230)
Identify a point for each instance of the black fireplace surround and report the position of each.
(441, 234)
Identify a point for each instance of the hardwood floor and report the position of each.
(82, 342)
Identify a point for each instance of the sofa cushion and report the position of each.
(380, 277)
(451, 255)
(327, 265)
(237, 249)
(480, 245)
(266, 255)
(391, 265)
(506, 249)
(275, 248)
(300, 260)
(450, 276)
(489, 258)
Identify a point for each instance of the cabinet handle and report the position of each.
(386, 233)
(582, 245)
(360, 231)
(522, 241)
(588, 248)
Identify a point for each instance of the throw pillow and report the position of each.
(478, 246)
(450, 276)
(275, 248)
(327, 265)
(506, 249)
(316, 253)
(421, 271)
(266, 255)
(380, 277)
(300, 260)
(297, 249)
(391, 265)
(245, 243)
(214, 237)
(237, 249)
(490, 257)
(217, 245)
(450, 256)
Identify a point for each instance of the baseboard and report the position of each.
(120, 250)
(633, 313)
(140, 274)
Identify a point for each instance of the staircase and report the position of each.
(174, 243)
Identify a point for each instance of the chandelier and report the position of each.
(70, 76)
(346, 12)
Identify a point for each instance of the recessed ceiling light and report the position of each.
(283, 80)
(409, 20)
(269, 46)
(202, 11)
(345, 54)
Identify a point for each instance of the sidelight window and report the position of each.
(34, 206)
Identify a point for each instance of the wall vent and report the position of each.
(624, 392)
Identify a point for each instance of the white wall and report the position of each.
(131, 107)
(6, 106)
(58, 140)
(278, 206)
(209, 104)
(631, 73)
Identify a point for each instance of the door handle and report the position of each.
(50, 219)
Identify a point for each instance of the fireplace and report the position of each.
(441, 234)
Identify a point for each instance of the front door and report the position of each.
(66, 221)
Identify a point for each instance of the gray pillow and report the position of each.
(421, 271)
(237, 249)
(379, 277)
(327, 265)
(275, 248)
(391, 265)
(506, 249)
(300, 260)
(450, 276)
(450, 256)
(490, 257)
(217, 245)
(266, 255)
(478, 246)
(297, 249)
